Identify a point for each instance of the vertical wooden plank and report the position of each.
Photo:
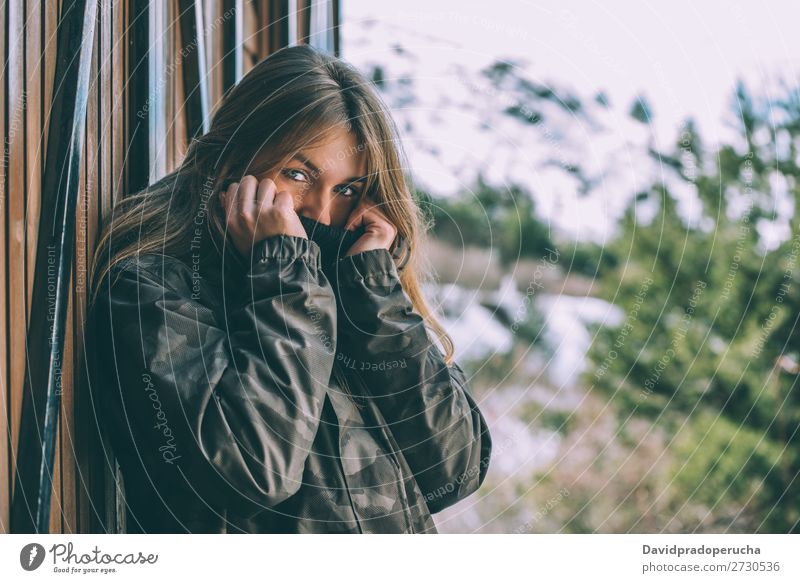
(178, 118)
(213, 31)
(191, 82)
(278, 25)
(34, 152)
(72, 443)
(110, 44)
(89, 459)
(336, 24)
(62, 501)
(50, 52)
(119, 60)
(158, 95)
(49, 24)
(5, 393)
(114, 520)
(256, 33)
(73, 447)
(262, 22)
(168, 34)
(303, 20)
(139, 108)
(55, 501)
(61, 456)
(16, 217)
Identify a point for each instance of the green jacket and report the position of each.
(273, 397)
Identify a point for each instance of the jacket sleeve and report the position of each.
(435, 421)
(229, 407)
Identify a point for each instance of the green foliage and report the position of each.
(587, 258)
(641, 111)
(501, 219)
(509, 77)
(709, 347)
(718, 460)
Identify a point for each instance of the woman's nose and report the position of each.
(315, 205)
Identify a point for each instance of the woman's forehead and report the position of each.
(341, 155)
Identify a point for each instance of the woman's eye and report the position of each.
(297, 175)
(347, 191)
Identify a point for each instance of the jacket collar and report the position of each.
(333, 242)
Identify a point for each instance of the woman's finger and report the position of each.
(284, 201)
(246, 194)
(229, 199)
(355, 218)
(370, 215)
(232, 227)
(265, 194)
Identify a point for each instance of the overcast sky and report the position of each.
(684, 56)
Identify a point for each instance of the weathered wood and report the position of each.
(87, 491)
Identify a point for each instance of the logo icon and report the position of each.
(31, 556)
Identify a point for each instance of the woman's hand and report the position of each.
(255, 211)
(379, 233)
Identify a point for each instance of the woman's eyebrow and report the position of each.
(303, 160)
(313, 167)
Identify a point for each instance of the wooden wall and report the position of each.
(135, 43)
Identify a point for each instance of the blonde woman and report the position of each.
(264, 359)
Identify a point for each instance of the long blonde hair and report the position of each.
(291, 99)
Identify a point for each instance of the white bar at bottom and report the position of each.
(462, 558)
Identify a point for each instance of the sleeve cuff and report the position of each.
(366, 265)
(286, 248)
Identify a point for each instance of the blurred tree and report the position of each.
(497, 218)
(710, 345)
(641, 110)
(587, 258)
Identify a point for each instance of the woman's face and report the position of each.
(326, 181)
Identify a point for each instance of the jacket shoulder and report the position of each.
(169, 271)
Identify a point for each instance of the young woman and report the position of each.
(263, 359)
